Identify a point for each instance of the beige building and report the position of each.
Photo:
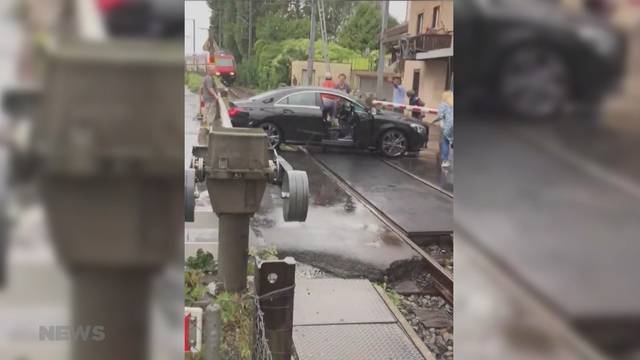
(427, 49)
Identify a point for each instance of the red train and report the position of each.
(225, 66)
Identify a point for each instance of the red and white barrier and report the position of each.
(391, 106)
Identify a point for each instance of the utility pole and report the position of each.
(380, 82)
(195, 61)
(250, 28)
(312, 40)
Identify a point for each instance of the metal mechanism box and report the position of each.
(237, 169)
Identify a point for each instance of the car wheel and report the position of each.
(534, 82)
(273, 133)
(393, 143)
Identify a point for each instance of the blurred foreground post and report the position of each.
(108, 145)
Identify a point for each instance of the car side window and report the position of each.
(301, 99)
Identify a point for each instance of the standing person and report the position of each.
(342, 84)
(445, 116)
(210, 98)
(294, 81)
(414, 100)
(398, 92)
(329, 105)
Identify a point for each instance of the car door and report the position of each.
(363, 129)
(301, 116)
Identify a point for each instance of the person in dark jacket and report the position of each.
(414, 100)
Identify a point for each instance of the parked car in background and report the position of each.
(533, 57)
(293, 115)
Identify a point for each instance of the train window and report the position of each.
(224, 62)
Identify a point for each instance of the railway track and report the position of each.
(428, 312)
(238, 92)
(443, 277)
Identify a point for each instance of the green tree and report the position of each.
(273, 63)
(274, 28)
(337, 13)
(362, 29)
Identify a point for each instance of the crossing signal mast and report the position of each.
(323, 30)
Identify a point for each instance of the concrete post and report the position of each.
(211, 332)
(233, 250)
(278, 278)
(116, 302)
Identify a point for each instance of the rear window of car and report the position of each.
(304, 99)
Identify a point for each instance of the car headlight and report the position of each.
(419, 128)
(603, 40)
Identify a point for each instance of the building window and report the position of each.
(416, 82)
(420, 24)
(436, 17)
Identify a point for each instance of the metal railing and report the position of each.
(426, 42)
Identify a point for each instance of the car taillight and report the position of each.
(233, 111)
(110, 5)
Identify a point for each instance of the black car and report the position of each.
(533, 57)
(294, 115)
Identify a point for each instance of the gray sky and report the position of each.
(199, 11)
(398, 9)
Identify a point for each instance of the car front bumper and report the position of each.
(417, 140)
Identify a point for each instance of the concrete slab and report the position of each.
(338, 301)
(415, 207)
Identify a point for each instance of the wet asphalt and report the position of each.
(416, 208)
(558, 221)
